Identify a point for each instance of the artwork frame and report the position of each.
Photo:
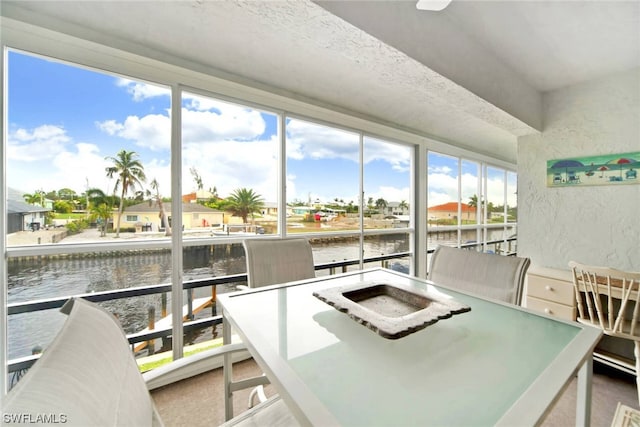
(605, 169)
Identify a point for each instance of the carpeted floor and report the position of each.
(198, 401)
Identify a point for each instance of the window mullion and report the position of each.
(176, 213)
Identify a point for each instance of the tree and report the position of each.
(37, 198)
(158, 199)
(381, 204)
(101, 207)
(403, 205)
(130, 173)
(67, 194)
(103, 213)
(196, 177)
(244, 202)
(62, 206)
(97, 197)
(370, 203)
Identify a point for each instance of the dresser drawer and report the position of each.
(551, 308)
(553, 290)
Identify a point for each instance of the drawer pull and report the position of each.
(549, 288)
(548, 311)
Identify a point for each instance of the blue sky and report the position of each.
(64, 120)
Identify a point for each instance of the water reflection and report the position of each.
(61, 277)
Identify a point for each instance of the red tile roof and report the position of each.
(452, 207)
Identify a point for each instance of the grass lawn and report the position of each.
(150, 362)
(70, 215)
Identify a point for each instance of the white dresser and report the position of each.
(551, 291)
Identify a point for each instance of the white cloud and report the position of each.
(446, 170)
(110, 127)
(71, 167)
(152, 131)
(398, 156)
(443, 188)
(230, 123)
(229, 164)
(308, 140)
(40, 143)
(141, 91)
(392, 194)
(74, 168)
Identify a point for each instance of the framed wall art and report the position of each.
(610, 169)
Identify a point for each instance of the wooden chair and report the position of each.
(486, 275)
(608, 299)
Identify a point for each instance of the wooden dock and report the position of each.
(198, 305)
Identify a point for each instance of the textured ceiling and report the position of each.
(549, 43)
(300, 49)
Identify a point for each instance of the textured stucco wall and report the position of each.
(595, 225)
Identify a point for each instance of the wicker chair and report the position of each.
(608, 299)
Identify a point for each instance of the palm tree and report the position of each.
(97, 197)
(403, 205)
(196, 177)
(381, 204)
(100, 205)
(243, 202)
(130, 173)
(37, 198)
(103, 212)
(158, 199)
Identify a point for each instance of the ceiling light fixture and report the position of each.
(433, 5)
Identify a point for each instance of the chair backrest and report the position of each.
(608, 299)
(271, 261)
(86, 376)
(486, 275)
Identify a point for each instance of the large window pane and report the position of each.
(387, 184)
(88, 158)
(495, 208)
(443, 210)
(71, 132)
(322, 178)
(470, 193)
(512, 197)
(230, 168)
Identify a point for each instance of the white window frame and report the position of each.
(84, 53)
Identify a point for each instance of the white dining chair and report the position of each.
(609, 299)
(89, 376)
(486, 275)
(271, 261)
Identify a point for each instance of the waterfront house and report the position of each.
(269, 210)
(22, 216)
(449, 211)
(146, 216)
(197, 196)
(496, 85)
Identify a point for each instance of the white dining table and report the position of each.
(497, 364)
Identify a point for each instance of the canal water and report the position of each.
(60, 277)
